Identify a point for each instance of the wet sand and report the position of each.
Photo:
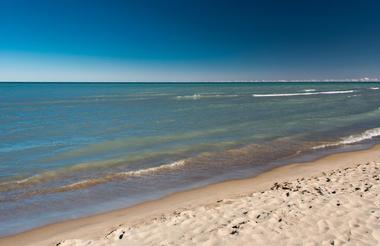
(332, 201)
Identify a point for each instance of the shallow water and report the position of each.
(68, 150)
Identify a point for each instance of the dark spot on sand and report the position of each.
(121, 235)
(328, 180)
(319, 190)
(357, 188)
(338, 204)
(258, 216)
(245, 213)
(234, 232)
(280, 220)
(238, 225)
(287, 193)
(275, 186)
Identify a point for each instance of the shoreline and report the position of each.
(93, 226)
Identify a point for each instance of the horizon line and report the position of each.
(205, 81)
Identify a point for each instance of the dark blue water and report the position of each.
(68, 150)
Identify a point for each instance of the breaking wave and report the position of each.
(201, 96)
(366, 135)
(82, 184)
(302, 93)
(121, 175)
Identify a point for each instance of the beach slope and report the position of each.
(331, 201)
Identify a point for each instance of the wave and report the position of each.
(151, 170)
(200, 96)
(374, 88)
(237, 156)
(303, 93)
(366, 135)
(111, 177)
(246, 155)
(93, 166)
(309, 90)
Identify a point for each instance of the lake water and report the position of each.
(70, 150)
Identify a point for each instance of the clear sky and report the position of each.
(193, 40)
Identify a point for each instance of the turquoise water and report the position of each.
(69, 150)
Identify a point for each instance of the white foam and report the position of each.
(90, 182)
(194, 97)
(200, 96)
(113, 176)
(174, 165)
(20, 181)
(366, 135)
(374, 88)
(309, 90)
(302, 93)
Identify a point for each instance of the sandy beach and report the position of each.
(331, 201)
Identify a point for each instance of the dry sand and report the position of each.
(331, 201)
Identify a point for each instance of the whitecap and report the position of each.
(117, 176)
(200, 96)
(366, 135)
(302, 93)
(152, 170)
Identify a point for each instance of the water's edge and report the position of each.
(304, 159)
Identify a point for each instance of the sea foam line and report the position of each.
(151, 170)
(38, 178)
(117, 176)
(309, 90)
(302, 93)
(200, 96)
(366, 135)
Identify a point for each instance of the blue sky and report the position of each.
(121, 40)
